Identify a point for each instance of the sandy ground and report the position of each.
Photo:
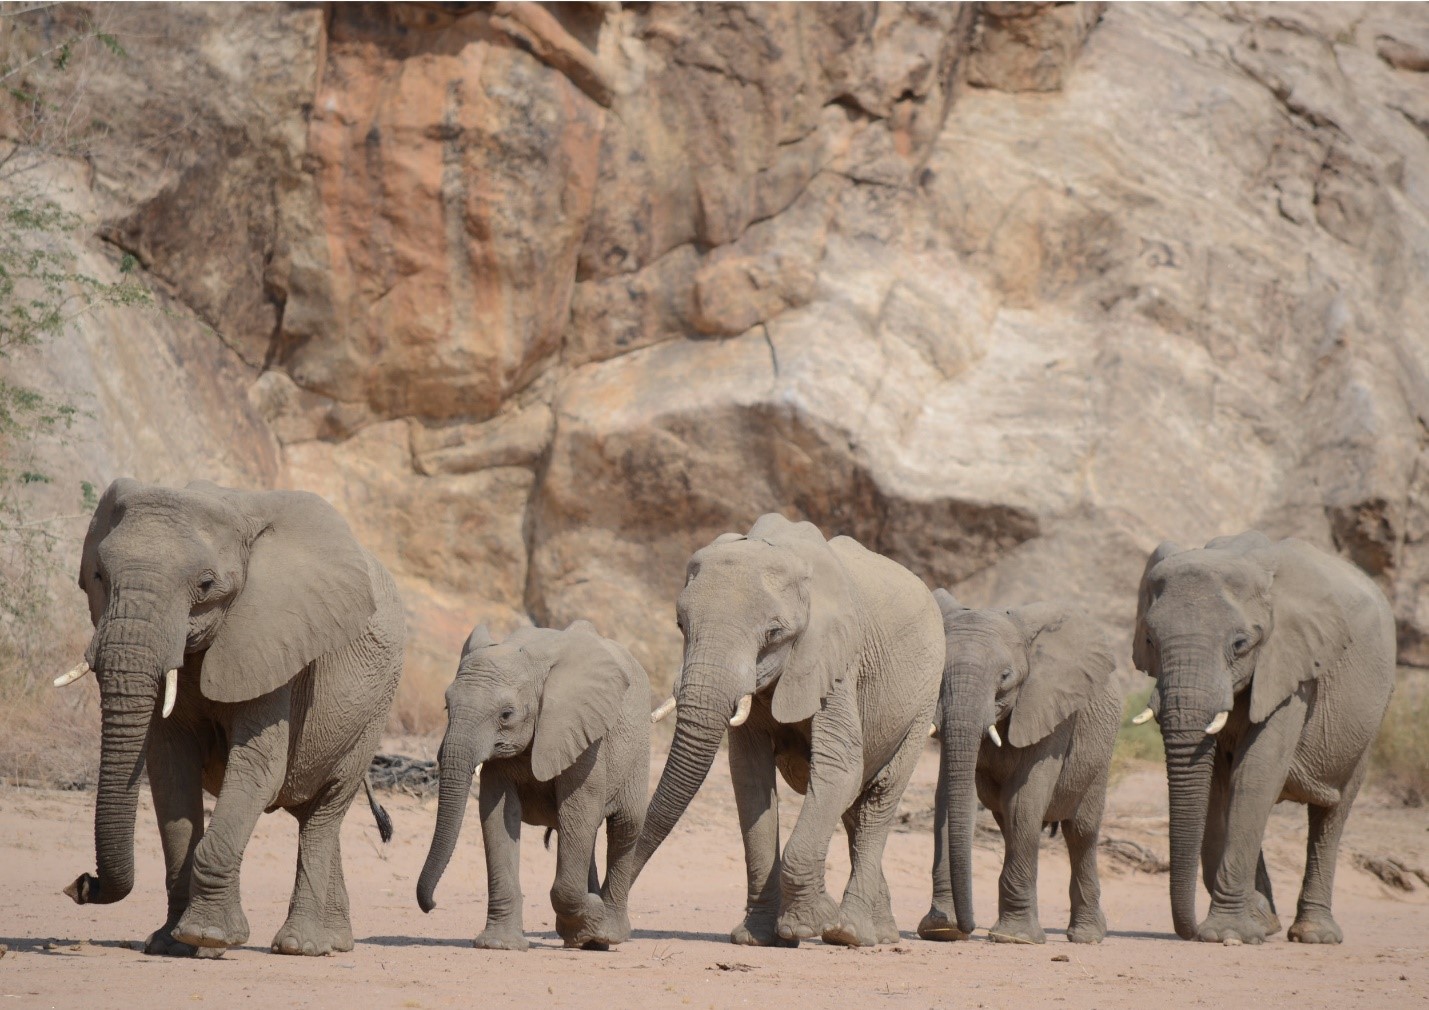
(63, 955)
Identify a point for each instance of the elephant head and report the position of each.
(1017, 674)
(552, 693)
(241, 590)
(771, 612)
(1240, 617)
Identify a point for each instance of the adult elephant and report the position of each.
(246, 645)
(1274, 664)
(824, 660)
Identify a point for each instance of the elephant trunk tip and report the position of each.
(89, 890)
(426, 898)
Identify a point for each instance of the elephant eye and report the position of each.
(205, 584)
(1006, 675)
(1241, 645)
(507, 714)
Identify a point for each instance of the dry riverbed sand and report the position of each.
(63, 955)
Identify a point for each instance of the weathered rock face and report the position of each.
(544, 298)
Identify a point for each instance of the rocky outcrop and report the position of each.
(544, 298)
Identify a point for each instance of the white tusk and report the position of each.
(666, 707)
(477, 770)
(993, 735)
(1217, 724)
(741, 711)
(69, 678)
(1145, 716)
(171, 692)
(933, 729)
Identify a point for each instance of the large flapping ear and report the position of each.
(827, 649)
(480, 638)
(581, 700)
(307, 592)
(106, 514)
(1309, 604)
(1141, 656)
(947, 603)
(1068, 661)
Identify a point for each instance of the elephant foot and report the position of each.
(300, 936)
(501, 938)
(161, 943)
(806, 918)
(1319, 929)
(1231, 928)
(1087, 927)
(759, 930)
(1260, 908)
(211, 925)
(936, 925)
(1016, 929)
(612, 928)
(859, 926)
(585, 924)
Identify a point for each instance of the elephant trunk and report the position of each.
(701, 719)
(1190, 757)
(962, 740)
(458, 763)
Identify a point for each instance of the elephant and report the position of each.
(558, 722)
(270, 644)
(823, 659)
(1274, 664)
(1039, 676)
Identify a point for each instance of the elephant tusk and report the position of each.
(993, 735)
(171, 692)
(1217, 724)
(741, 711)
(666, 707)
(932, 729)
(79, 671)
(476, 772)
(1145, 716)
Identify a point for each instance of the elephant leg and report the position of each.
(257, 761)
(866, 912)
(1025, 798)
(756, 795)
(175, 762)
(622, 830)
(835, 773)
(501, 839)
(1081, 830)
(1313, 921)
(317, 920)
(1256, 778)
(1264, 899)
(580, 911)
(940, 920)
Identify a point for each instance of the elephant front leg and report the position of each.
(254, 774)
(580, 910)
(752, 771)
(175, 762)
(1025, 798)
(835, 780)
(501, 839)
(1088, 922)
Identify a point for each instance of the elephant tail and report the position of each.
(384, 822)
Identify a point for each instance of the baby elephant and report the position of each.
(561, 722)
(1038, 678)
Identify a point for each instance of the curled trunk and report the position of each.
(1190, 758)
(458, 765)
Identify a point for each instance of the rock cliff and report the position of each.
(546, 297)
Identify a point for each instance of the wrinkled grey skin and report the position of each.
(288, 639)
(842, 651)
(1298, 647)
(1042, 675)
(561, 720)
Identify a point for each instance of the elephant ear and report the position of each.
(1241, 543)
(947, 603)
(1141, 656)
(1310, 630)
(581, 700)
(827, 650)
(480, 638)
(1068, 660)
(307, 592)
(106, 514)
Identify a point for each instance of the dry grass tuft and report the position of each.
(1399, 761)
(1136, 745)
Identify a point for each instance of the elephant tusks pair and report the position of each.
(666, 707)
(993, 735)
(171, 684)
(79, 671)
(1146, 715)
(1217, 724)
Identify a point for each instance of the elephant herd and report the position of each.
(247, 646)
